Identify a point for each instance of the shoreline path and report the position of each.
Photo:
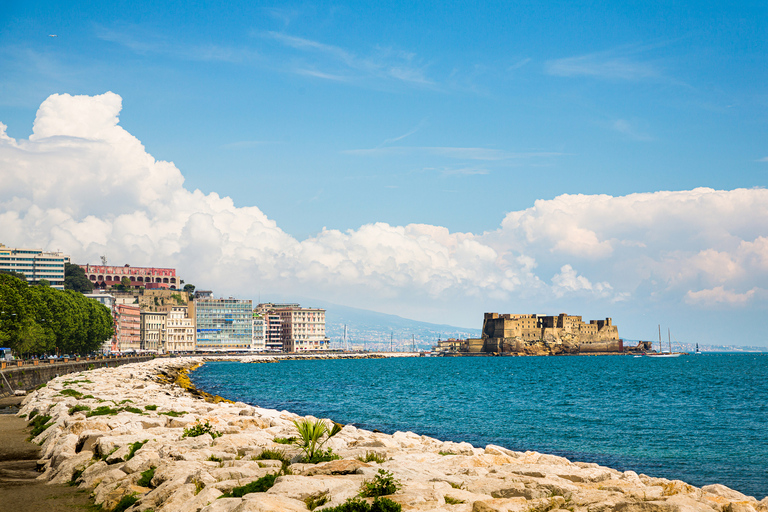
(118, 434)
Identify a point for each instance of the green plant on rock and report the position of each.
(383, 483)
(272, 455)
(358, 505)
(311, 438)
(372, 457)
(71, 392)
(199, 429)
(316, 500)
(103, 410)
(214, 458)
(263, 484)
(39, 424)
(146, 477)
(173, 414)
(453, 501)
(125, 503)
(78, 408)
(134, 447)
(284, 440)
(150, 407)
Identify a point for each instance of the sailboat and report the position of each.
(661, 352)
(698, 352)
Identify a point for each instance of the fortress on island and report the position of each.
(540, 335)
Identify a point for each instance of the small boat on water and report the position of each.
(697, 352)
(661, 352)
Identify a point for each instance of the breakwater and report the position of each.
(120, 432)
(27, 375)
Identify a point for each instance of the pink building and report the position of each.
(127, 327)
(149, 277)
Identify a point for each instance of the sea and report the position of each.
(702, 419)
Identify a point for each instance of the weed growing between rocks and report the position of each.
(358, 505)
(452, 501)
(71, 392)
(150, 407)
(103, 410)
(39, 424)
(214, 458)
(78, 408)
(146, 477)
(372, 457)
(383, 483)
(457, 486)
(134, 447)
(125, 503)
(173, 414)
(113, 450)
(199, 429)
(284, 440)
(273, 455)
(446, 453)
(263, 484)
(316, 500)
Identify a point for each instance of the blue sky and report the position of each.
(345, 115)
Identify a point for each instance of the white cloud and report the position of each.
(719, 295)
(83, 184)
(569, 281)
(602, 65)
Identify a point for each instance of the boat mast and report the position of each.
(669, 338)
(346, 348)
(660, 349)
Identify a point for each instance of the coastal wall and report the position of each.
(140, 450)
(29, 376)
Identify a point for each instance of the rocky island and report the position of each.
(126, 434)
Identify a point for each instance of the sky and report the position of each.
(432, 160)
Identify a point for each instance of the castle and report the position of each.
(545, 335)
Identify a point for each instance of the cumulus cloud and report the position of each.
(83, 184)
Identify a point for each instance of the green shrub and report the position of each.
(78, 408)
(383, 483)
(134, 447)
(134, 410)
(358, 505)
(263, 484)
(39, 424)
(311, 437)
(146, 477)
(174, 414)
(214, 458)
(32, 414)
(199, 429)
(446, 453)
(127, 400)
(452, 501)
(103, 410)
(322, 456)
(284, 440)
(125, 503)
(273, 455)
(150, 407)
(316, 500)
(84, 397)
(71, 392)
(372, 457)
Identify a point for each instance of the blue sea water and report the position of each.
(702, 419)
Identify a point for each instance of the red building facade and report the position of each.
(148, 277)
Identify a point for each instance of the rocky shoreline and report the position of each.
(119, 432)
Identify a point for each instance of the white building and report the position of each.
(301, 329)
(258, 343)
(35, 264)
(180, 328)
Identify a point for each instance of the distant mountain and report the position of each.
(372, 330)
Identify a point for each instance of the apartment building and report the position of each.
(258, 343)
(180, 328)
(153, 330)
(127, 328)
(301, 329)
(224, 324)
(35, 264)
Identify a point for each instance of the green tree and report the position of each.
(18, 275)
(43, 282)
(189, 288)
(15, 310)
(75, 279)
(125, 283)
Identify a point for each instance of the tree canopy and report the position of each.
(75, 279)
(40, 319)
